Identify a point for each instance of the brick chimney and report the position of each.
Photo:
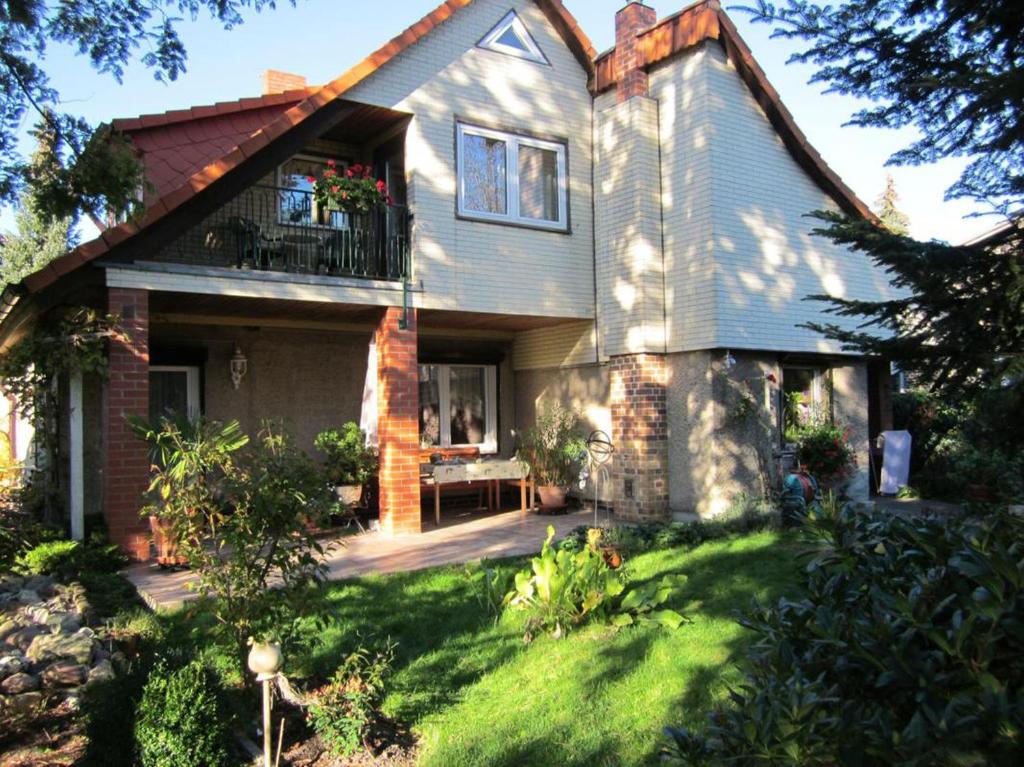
(630, 21)
(279, 82)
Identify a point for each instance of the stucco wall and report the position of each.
(307, 380)
(583, 389)
(850, 408)
(740, 256)
(481, 266)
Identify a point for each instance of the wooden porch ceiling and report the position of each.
(217, 309)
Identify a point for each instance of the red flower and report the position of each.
(382, 187)
(310, 179)
(344, 195)
(367, 171)
(348, 173)
(357, 168)
(389, 200)
(330, 172)
(330, 163)
(334, 189)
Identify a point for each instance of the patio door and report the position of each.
(173, 389)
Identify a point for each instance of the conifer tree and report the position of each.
(954, 70)
(892, 218)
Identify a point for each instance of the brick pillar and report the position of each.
(640, 434)
(126, 469)
(398, 425)
(631, 78)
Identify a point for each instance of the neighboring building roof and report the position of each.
(225, 140)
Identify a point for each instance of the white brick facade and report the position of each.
(487, 267)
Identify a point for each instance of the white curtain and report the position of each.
(368, 415)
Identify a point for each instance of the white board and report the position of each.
(895, 461)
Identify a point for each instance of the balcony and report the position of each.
(278, 229)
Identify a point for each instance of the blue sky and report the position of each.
(322, 38)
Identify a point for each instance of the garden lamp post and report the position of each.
(265, 661)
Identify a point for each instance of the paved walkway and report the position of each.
(460, 538)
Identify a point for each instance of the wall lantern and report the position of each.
(239, 367)
(730, 361)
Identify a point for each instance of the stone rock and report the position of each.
(12, 584)
(19, 683)
(49, 647)
(25, 702)
(24, 637)
(65, 674)
(41, 584)
(99, 653)
(11, 664)
(36, 613)
(7, 599)
(29, 597)
(7, 628)
(64, 623)
(120, 660)
(101, 672)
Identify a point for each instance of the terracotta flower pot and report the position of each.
(612, 557)
(349, 494)
(551, 496)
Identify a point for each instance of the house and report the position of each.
(621, 232)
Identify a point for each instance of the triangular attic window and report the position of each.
(509, 36)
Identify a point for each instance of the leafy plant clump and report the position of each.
(565, 587)
(350, 461)
(242, 519)
(182, 719)
(553, 448)
(907, 650)
(824, 449)
(70, 558)
(343, 711)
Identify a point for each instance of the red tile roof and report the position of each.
(171, 153)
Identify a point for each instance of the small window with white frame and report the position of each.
(173, 390)
(458, 406)
(807, 398)
(510, 36)
(510, 178)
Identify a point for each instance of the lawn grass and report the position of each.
(477, 694)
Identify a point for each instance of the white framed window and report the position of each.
(295, 204)
(509, 178)
(458, 406)
(510, 36)
(173, 389)
(807, 397)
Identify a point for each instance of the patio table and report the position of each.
(494, 472)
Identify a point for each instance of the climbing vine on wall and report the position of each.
(31, 370)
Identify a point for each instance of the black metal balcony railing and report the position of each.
(282, 230)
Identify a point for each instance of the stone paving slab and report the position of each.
(458, 539)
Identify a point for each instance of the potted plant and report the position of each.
(553, 449)
(353, 190)
(824, 451)
(350, 462)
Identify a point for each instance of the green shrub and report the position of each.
(824, 449)
(343, 711)
(349, 460)
(182, 719)
(908, 649)
(49, 558)
(70, 559)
